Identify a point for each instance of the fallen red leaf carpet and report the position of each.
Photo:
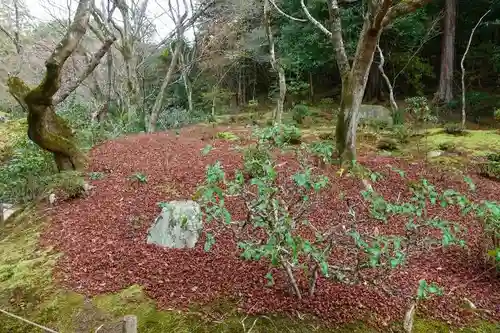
(103, 239)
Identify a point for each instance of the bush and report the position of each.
(254, 158)
(66, 185)
(420, 110)
(279, 135)
(398, 117)
(401, 133)
(496, 114)
(299, 112)
(387, 144)
(494, 157)
(491, 167)
(447, 146)
(376, 124)
(26, 172)
(323, 150)
(454, 129)
(481, 104)
(275, 228)
(327, 136)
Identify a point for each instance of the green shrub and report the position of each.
(496, 114)
(26, 173)
(387, 144)
(376, 124)
(254, 158)
(227, 136)
(299, 112)
(67, 184)
(401, 133)
(327, 102)
(279, 213)
(419, 108)
(454, 129)
(323, 150)
(481, 104)
(279, 135)
(490, 169)
(447, 146)
(494, 157)
(398, 117)
(330, 136)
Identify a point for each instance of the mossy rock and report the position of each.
(388, 144)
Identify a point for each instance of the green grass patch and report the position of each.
(475, 142)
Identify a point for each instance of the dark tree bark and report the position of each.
(445, 89)
(45, 127)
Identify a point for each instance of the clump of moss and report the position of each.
(230, 136)
(389, 144)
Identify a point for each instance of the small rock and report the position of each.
(87, 187)
(52, 198)
(6, 210)
(435, 153)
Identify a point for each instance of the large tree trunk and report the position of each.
(353, 90)
(45, 127)
(445, 90)
(275, 65)
(378, 15)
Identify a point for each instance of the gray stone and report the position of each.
(435, 153)
(6, 210)
(379, 112)
(178, 226)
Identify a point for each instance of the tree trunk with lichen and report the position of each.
(45, 127)
(353, 89)
(354, 78)
(278, 112)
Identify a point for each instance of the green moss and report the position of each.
(434, 326)
(477, 142)
(230, 136)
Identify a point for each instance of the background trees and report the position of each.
(216, 57)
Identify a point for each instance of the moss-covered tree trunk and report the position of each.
(45, 127)
(354, 78)
(353, 89)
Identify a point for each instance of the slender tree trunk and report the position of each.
(311, 87)
(155, 112)
(275, 65)
(462, 65)
(445, 90)
(394, 105)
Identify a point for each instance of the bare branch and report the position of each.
(96, 59)
(63, 50)
(394, 105)
(285, 14)
(403, 8)
(314, 21)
